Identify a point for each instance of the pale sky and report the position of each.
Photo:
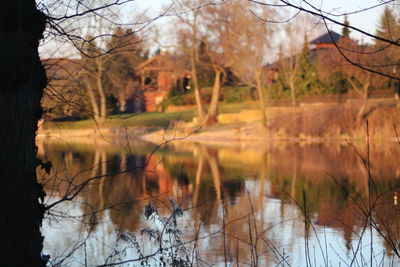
(366, 20)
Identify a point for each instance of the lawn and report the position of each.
(147, 119)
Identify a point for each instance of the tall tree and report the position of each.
(306, 78)
(106, 75)
(93, 76)
(388, 55)
(252, 38)
(188, 18)
(21, 87)
(389, 26)
(218, 20)
(290, 66)
(345, 29)
(359, 79)
(127, 51)
(62, 97)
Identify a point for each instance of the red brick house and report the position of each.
(158, 75)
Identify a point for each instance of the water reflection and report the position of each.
(259, 193)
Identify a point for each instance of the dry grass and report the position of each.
(336, 121)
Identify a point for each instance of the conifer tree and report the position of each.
(345, 29)
(127, 52)
(388, 55)
(389, 26)
(282, 83)
(306, 76)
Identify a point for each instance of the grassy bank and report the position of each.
(150, 119)
(242, 122)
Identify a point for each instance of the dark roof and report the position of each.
(327, 38)
(276, 64)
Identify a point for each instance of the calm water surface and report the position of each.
(281, 205)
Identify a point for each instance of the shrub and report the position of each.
(239, 94)
(165, 234)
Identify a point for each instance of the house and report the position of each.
(326, 40)
(158, 75)
(320, 49)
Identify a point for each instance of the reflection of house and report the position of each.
(158, 180)
(159, 75)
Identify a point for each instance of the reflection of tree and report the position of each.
(281, 174)
(124, 194)
(387, 214)
(199, 173)
(206, 196)
(336, 202)
(212, 160)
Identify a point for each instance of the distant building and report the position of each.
(319, 49)
(158, 75)
(326, 40)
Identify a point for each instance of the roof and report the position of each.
(162, 61)
(327, 38)
(61, 68)
(286, 61)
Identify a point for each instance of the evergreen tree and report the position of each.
(306, 74)
(345, 29)
(389, 26)
(281, 85)
(388, 56)
(127, 53)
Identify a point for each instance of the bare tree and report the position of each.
(63, 95)
(251, 45)
(188, 18)
(93, 75)
(218, 42)
(360, 80)
(294, 52)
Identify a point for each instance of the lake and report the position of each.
(190, 204)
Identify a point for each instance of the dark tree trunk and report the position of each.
(22, 79)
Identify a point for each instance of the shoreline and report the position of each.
(248, 134)
(311, 123)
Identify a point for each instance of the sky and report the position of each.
(367, 20)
